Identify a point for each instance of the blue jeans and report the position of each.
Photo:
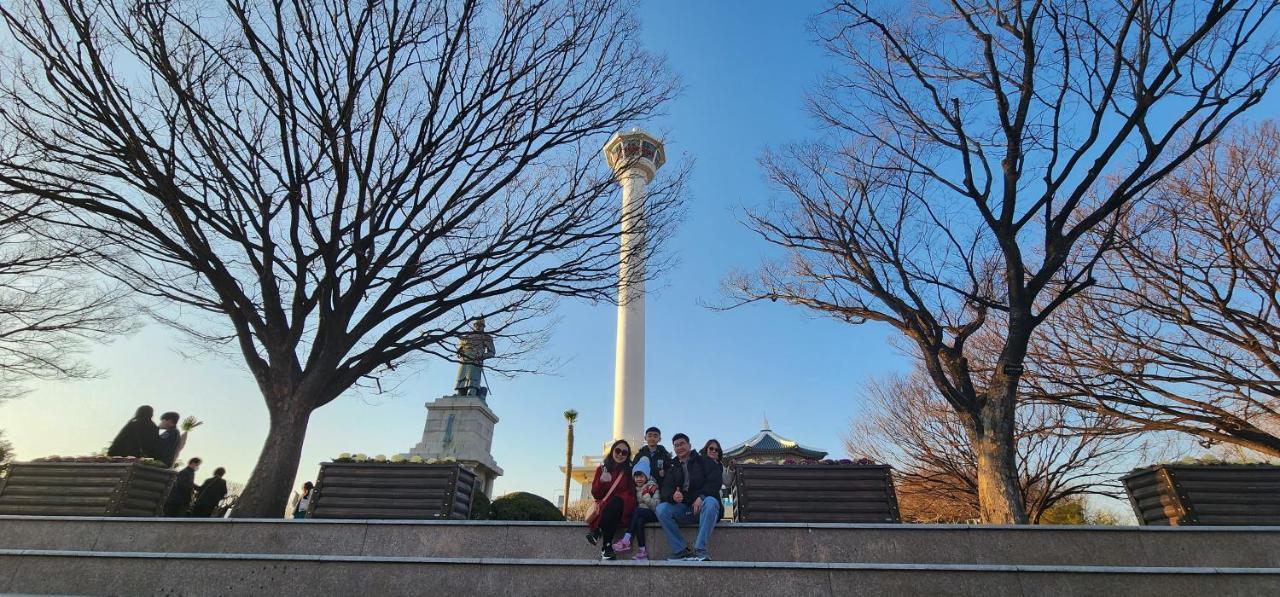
(671, 516)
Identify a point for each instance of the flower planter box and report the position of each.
(364, 490)
(814, 493)
(85, 489)
(1197, 494)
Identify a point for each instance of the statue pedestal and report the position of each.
(461, 427)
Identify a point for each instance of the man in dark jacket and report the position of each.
(179, 501)
(690, 493)
(167, 445)
(211, 493)
(139, 437)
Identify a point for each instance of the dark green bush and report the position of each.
(480, 506)
(523, 506)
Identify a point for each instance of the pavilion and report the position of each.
(768, 447)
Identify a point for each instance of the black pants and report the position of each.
(610, 519)
(639, 518)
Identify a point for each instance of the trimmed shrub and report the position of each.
(523, 506)
(480, 506)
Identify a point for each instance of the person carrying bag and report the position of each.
(614, 500)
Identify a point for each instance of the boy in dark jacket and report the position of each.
(167, 445)
(658, 456)
(690, 493)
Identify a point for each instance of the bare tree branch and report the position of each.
(1182, 331)
(52, 307)
(971, 147)
(341, 187)
(1063, 452)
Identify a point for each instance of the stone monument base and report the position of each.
(461, 428)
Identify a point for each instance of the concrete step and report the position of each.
(281, 575)
(1237, 547)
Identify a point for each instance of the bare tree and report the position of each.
(51, 304)
(1182, 331)
(6, 455)
(972, 146)
(337, 187)
(1063, 453)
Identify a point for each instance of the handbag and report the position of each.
(594, 512)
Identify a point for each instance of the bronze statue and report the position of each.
(474, 348)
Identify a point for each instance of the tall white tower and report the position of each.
(635, 157)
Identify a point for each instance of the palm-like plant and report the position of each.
(187, 425)
(570, 417)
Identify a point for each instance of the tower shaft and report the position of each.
(628, 380)
(635, 157)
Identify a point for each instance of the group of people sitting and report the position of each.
(651, 485)
(142, 438)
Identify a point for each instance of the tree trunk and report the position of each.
(999, 485)
(568, 468)
(267, 493)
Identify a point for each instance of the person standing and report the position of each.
(179, 501)
(615, 498)
(473, 350)
(167, 445)
(653, 457)
(690, 494)
(211, 493)
(138, 438)
(302, 502)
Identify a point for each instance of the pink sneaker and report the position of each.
(641, 554)
(622, 545)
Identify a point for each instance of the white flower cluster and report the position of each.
(396, 459)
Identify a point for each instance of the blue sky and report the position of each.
(710, 374)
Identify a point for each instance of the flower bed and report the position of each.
(103, 460)
(364, 488)
(814, 491)
(1205, 494)
(397, 459)
(86, 486)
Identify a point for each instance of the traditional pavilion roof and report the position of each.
(768, 442)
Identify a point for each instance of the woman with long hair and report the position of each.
(713, 451)
(139, 437)
(302, 502)
(615, 498)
